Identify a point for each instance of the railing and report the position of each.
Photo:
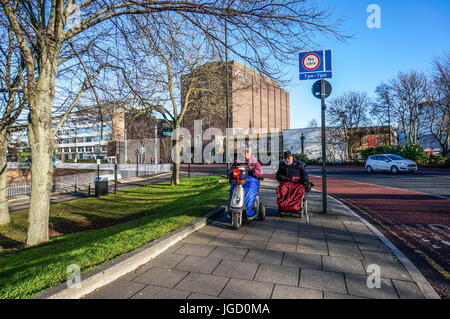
(74, 181)
(127, 167)
(17, 165)
(19, 188)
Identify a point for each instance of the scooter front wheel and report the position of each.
(237, 219)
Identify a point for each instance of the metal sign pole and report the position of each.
(324, 154)
(318, 65)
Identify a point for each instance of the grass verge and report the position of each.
(140, 215)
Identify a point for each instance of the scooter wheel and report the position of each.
(236, 221)
(262, 211)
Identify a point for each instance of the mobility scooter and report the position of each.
(238, 176)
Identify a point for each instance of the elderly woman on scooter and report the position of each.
(252, 183)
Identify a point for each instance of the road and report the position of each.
(424, 181)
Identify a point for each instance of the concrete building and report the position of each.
(83, 136)
(336, 143)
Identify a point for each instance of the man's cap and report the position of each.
(287, 154)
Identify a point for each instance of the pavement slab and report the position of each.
(195, 250)
(204, 265)
(283, 275)
(119, 289)
(268, 257)
(161, 277)
(407, 290)
(229, 253)
(322, 280)
(343, 264)
(204, 284)
(247, 289)
(281, 258)
(357, 286)
(309, 261)
(289, 292)
(236, 269)
(157, 292)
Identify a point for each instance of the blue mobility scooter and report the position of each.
(244, 201)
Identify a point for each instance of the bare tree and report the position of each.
(410, 90)
(177, 72)
(381, 108)
(12, 103)
(349, 112)
(313, 123)
(437, 108)
(266, 28)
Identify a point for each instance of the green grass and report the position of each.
(139, 215)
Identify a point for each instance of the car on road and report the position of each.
(389, 162)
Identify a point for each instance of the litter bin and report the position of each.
(101, 188)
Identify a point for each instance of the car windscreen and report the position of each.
(395, 157)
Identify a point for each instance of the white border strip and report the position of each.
(424, 286)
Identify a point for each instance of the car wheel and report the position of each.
(369, 169)
(394, 169)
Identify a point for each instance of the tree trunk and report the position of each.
(4, 210)
(41, 142)
(41, 180)
(176, 164)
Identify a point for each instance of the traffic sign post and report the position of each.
(324, 150)
(318, 65)
(315, 65)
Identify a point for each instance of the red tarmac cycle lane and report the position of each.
(416, 223)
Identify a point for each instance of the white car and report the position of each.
(390, 162)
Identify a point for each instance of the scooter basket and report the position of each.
(238, 175)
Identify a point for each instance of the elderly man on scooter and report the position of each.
(252, 183)
(293, 179)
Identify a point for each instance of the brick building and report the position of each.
(256, 102)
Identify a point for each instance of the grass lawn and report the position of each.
(90, 232)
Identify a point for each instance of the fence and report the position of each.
(106, 172)
(19, 188)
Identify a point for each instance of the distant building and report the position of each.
(114, 135)
(85, 135)
(257, 104)
(336, 143)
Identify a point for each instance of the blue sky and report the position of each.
(411, 34)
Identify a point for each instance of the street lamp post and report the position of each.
(137, 163)
(156, 140)
(227, 93)
(302, 138)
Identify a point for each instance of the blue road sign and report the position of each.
(315, 65)
(142, 149)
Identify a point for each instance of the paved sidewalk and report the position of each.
(281, 257)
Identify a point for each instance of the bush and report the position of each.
(438, 160)
(409, 151)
